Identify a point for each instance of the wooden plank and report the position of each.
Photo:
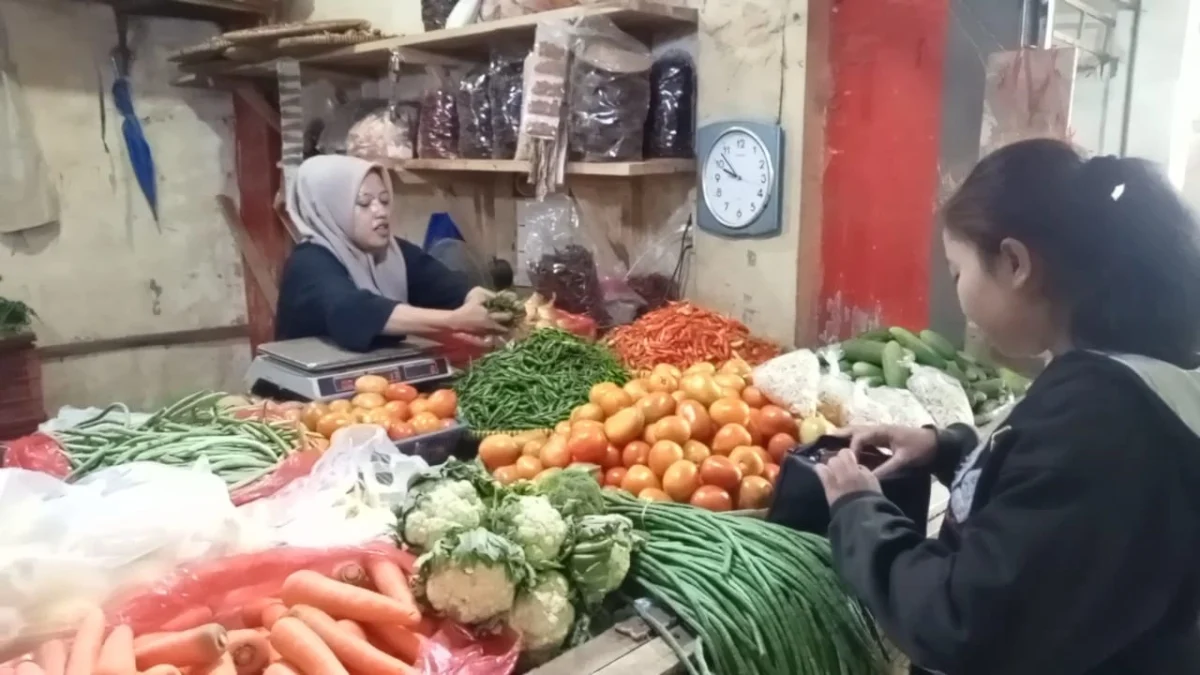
(648, 167)
(205, 10)
(818, 89)
(168, 339)
(592, 656)
(653, 658)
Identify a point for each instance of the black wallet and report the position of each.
(800, 499)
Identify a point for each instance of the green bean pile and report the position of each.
(761, 598)
(534, 383)
(240, 451)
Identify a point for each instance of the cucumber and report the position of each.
(895, 373)
(872, 381)
(863, 350)
(990, 388)
(953, 370)
(923, 352)
(965, 359)
(938, 344)
(1016, 382)
(978, 398)
(975, 373)
(864, 369)
(844, 366)
(876, 335)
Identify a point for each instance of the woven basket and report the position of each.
(209, 50)
(312, 44)
(279, 31)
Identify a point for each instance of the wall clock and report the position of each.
(740, 178)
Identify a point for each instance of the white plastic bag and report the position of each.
(791, 381)
(941, 395)
(67, 548)
(348, 499)
(864, 410)
(836, 390)
(902, 407)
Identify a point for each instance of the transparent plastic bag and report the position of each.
(387, 133)
(609, 93)
(36, 452)
(941, 395)
(475, 137)
(836, 389)
(654, 275)
(791, 381)
(435, 12)
(506, 77)
(560, 259)
(65, 549)
(349, 497)
(671, 125)
(437, 130)
(899, 406)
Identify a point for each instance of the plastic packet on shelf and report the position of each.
(348, 498)
(791, 381)
(68, 548)
(672, 119)
(941, 394)
(609, 93)
(475, 137)
(506, 78)
(437, 130)
(386, 133)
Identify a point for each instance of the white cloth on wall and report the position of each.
(28, 196)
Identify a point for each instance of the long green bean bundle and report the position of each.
(763, 599)
(536, 382)
(240, 451)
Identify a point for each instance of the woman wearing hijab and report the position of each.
(351, 281)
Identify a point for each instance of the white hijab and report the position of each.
(321, 202)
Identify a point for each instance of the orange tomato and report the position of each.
(371, 384)
(729, 437)
(668, 369)
(712, 498)
(701, 367)
(443, 403)
(587, 445)
(635, 453)
(662, 382)
(656, 406)
(418, 407)
(729, 411)
(747, 460)
(398, 410)
(598, 390)
(612, 400)
(721, 472)
(312, 413)
(771, 473)
(637, 389)
(342, 405)
(378, 416)
(506, 475)
(615, 475)
(425, 422)
(563, 428)
(679, 396)
(626, 425)
(554, 452)
(587, 411)
(654, 495)
(672, 428)
(398, 391)
(779, 445)
(499, 450)
(695, 452)
(730, 381)
(448, 423)
(587, 425)
(368, 401)
(697, 416)
(529, 467)
(755, 427)
(663, 455)
(776, 420)
(754, 397)
(398, 431)
(736, 366)
(648, 435)
(548, 471)
(638, 478)
(330, 423)
(755, 492)
(612, 457)
(681, 480)
(533, 448)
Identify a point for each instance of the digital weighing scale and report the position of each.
(315, 369)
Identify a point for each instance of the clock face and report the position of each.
(738, 178)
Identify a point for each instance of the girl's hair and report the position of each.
(1120, 249)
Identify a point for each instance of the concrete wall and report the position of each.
(107, 269)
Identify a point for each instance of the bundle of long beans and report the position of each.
(761, 598)
(194, 429)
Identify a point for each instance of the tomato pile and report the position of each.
(397, 407)
(704, 436)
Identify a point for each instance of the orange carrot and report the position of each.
(345, 601)
(86, 646)
(252, 612)
(162, 669)
(351, 573)
(280, 668)
(30, 668)
(357, 654)
(301, 646)
(271, 614)
(249, 650)
(195, 647)
(116, 654)
(399, 640)
(146, 638)
(188, 619)
(390, 580)
(222, 666)
(7, 669)
(52, 657)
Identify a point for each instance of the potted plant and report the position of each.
(20, 371)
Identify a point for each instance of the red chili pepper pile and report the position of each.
(682, 334)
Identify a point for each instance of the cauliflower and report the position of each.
(471, 576)
(543, 614)
(600, 558)
(433, 512)
(532, 523)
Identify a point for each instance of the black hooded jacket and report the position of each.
(1072, 546)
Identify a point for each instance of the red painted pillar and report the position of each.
(881, 152)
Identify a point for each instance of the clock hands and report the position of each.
(727, 167)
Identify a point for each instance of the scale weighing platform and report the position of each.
(314, 369)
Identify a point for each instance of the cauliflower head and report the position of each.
(471, 576)
(600, 557)
(544, 614)
(439, 509)
(533, 523)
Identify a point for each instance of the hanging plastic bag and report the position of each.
(656, 274)
(349, 497)
(672, 121)
(28, 197)
(609, 93)
(506, 78)
(560, 261)
(941, 395)
(791, 381)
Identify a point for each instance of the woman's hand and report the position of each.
(843, 475)
(478, 295)
(910, 446)
(474, 318)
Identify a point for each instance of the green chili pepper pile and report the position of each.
(534, 383)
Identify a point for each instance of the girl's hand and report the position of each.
(843, 475)
(910, 446)
(478, 295)
(474, 318)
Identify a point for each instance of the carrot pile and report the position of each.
(365, 622)
(682, 334)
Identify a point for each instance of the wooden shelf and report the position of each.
(650, 167)
(639, 17)
(220, 11)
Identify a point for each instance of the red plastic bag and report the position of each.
(454, 650)
(37, 452)
(294, 467)
(579, 324)
(218, 590)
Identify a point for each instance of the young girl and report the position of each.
(1072, 541)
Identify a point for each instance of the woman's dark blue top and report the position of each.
(317, 298)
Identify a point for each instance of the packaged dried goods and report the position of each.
(437, 132)
(561, 264)
(791, 381)
(506, 69)
(671, 125)
(942, 395)
(610, 93)
(542, 141)
(388, 133)
(475, 135)
(435, 12)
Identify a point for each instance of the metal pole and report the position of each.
(1133, 50)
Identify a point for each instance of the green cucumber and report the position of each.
(864, 369)
(923, 352)
(873, 381)
(863, 350)
(895, 373)
(955, 371)
(938, 344)
(978, 398)
(975, 373)
(844, 366)
(990, 388)
(876, 335)
(1016, 382)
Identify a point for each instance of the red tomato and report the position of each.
(776, 420)
(771, 473)
(443, 403)
(663, 455)
(721, 472)
(614, 476)
(712, 498)
(779, 445)
(637, 452)
(755, 493)
(506, 475)
(554, 452)
(587, 445)
(398, 410)
(398, 391)
(398, 430)
(639, 478)
(612, 457)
